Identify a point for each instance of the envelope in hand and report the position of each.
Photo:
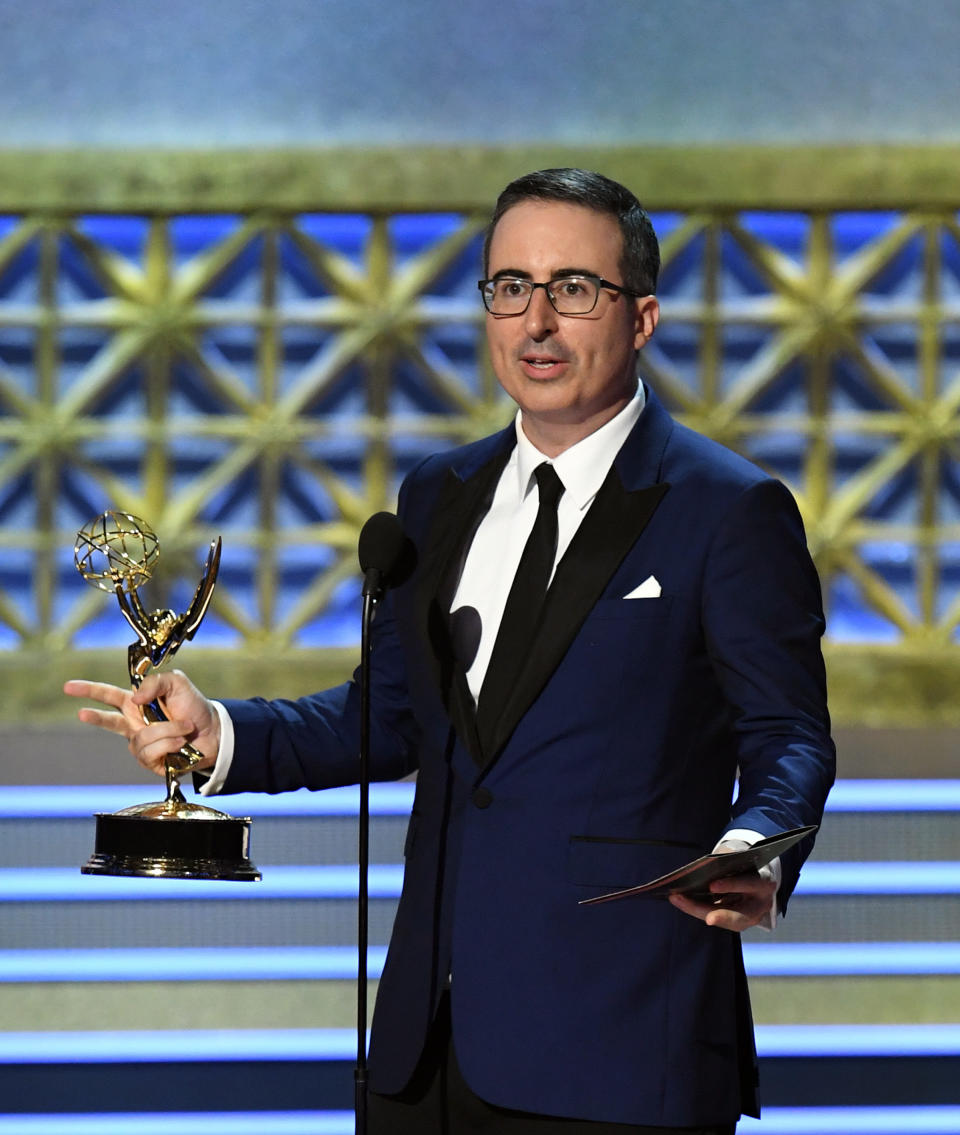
(649, 589)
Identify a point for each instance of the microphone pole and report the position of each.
(363, 857)
(381, 542)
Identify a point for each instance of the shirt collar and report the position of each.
(584, 466)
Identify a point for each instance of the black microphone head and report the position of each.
(381, 543)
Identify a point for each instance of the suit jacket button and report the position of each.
(482, 797)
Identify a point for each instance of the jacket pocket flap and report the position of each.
(597, 862)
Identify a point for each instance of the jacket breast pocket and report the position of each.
(631, 610)
(619, 628)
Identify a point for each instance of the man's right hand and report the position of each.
(192, 717)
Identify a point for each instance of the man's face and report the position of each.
(568, 373)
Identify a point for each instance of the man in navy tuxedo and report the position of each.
(660, 647)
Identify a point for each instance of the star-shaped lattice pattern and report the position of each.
(827, 347)
(271, 378)
(265, 379)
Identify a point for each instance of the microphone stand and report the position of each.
(380, 550)
(371, 593)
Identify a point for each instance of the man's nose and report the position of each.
(540, 318)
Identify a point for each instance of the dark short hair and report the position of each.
(640, 258)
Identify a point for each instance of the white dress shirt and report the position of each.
(499, 542)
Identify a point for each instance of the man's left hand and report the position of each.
(737, 901)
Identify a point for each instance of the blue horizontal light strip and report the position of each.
(66, 884)
(22, 802)
(213, 1045)
(795, 959)
(331, 963)
(858, 1040)
(880, 878)
(894, 796)
(183, 1123)
(848, 1121)
(281, 963)
(775, 1121)
(397, 799)
(171, 1045)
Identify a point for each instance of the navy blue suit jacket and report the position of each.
(614, 760)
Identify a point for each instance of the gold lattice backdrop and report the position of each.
(271, 376)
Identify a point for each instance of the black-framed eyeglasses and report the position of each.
(570, 295)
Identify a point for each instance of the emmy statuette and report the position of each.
(169, 838)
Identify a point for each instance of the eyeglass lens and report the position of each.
(570, 295)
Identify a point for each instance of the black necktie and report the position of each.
(522, 612)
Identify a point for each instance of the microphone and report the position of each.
(379, 550)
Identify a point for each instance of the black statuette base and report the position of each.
(172, 848)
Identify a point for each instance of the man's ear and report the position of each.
(648, 316)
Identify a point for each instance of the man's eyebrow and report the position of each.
(559, 274)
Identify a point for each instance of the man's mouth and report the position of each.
(542, 362)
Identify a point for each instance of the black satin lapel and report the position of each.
(611, 527)
(463, 713)
(460, 508)
(450, 517)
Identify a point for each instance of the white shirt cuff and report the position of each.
(771, 871)
(218, 774)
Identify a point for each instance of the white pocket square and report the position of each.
(649, 589)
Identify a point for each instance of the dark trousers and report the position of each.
(437, 1101)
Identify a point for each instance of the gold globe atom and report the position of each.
(116, 549)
